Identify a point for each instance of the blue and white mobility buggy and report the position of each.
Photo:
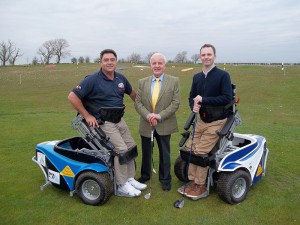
(81, 165)
(235, 163)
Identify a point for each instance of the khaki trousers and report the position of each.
(119, 135)
(204, 140)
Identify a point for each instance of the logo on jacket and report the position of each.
(121, 86)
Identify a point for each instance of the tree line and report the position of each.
(136, 58)
(58, 49)
(181, 57)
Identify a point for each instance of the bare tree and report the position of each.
(60, 49)
(16, 53)
(81, 59)
(195, 57)
(87, 59)
(134, 58)
(46, 52)
(7, 50)
(56, 47)
(181, 57)
(148, 56)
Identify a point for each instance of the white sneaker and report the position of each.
(127, 190)
(136, 184)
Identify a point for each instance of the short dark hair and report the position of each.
(208, 46)
(105, 51)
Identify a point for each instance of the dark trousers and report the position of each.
(163, 143)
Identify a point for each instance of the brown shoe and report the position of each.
(185, 188)
(189, 187)
(198, 191)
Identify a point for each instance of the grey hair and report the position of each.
(158, 54)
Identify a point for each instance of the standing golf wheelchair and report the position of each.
(236, 162)
(81, 165)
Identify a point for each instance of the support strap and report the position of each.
(125, 157)
(199, 160)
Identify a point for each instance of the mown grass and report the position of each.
(34, 109)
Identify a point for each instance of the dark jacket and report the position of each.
(216, 92)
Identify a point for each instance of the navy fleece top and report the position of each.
(215, 89)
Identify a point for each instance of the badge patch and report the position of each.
(121, 86)
(78, 87)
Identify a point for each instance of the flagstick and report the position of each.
(282, 68)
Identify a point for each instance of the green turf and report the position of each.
(34, 108)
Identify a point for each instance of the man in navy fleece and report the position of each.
(211, 91)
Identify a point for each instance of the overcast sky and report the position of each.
(241, 30)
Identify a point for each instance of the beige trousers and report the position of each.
(119, 135)
(204, 140)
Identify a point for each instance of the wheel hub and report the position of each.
(91, 189)
(239, 188)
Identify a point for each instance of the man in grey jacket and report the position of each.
(157, 111)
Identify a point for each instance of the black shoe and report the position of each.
(142, 180)
(166, 186)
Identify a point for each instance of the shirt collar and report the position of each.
(208, 70)
(160, 78)
(106, 78)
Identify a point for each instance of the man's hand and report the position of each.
(197, 103)
(153, 119)
(91, 121)
(198, 99)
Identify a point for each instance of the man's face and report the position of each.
(158, 65)
(108, 62)
(207, 56)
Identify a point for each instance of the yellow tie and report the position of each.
(155, 93)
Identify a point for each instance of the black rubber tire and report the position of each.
(233, 187)
(94, 188)
(180, 169)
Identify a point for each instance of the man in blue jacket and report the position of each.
(211, 91)
(105, 90)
